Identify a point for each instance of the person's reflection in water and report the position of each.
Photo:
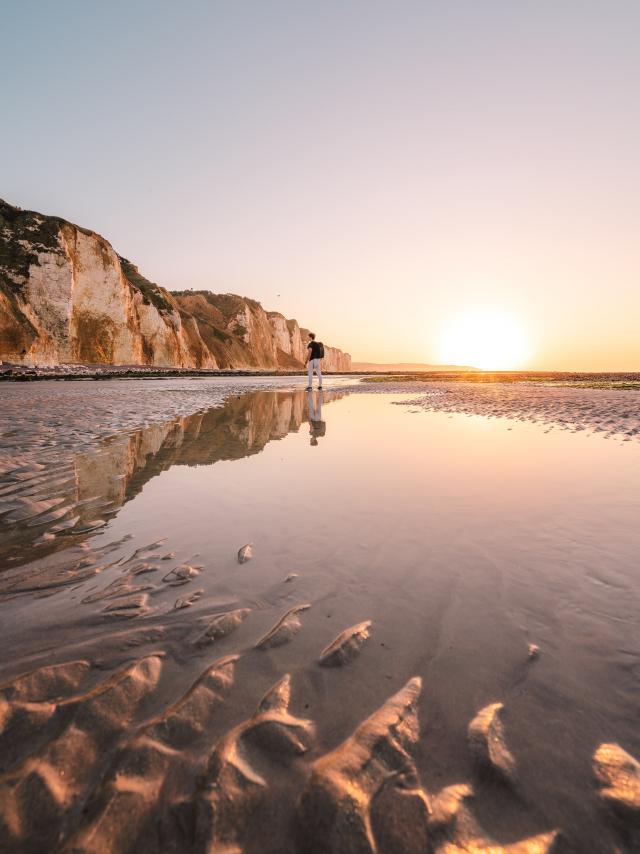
(317, 427)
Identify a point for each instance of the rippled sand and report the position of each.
(613, 413)
(432, 645)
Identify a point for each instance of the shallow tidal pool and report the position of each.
(494, 558)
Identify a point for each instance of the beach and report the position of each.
(432, 636)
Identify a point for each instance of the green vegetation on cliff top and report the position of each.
(227, 304)
(25, 234)
(152, 293)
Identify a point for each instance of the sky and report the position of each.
(385, 172)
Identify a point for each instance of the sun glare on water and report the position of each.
(488, 340)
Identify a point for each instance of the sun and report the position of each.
(489, 340)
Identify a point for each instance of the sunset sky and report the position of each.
(385, 172)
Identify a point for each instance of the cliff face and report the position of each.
(334, 359)
(241, 334)
(67, 297)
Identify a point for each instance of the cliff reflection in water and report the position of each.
(62, 501)
(488, 560)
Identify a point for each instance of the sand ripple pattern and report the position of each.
(94, 762)
(92, 771)
(609, 413)
(48, 416)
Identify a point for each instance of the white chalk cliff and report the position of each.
(67, 297)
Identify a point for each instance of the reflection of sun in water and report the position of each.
(488, 340)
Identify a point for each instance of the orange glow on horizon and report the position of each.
(489, 340)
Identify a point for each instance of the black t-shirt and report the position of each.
(314, 346)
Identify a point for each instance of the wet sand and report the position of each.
(411, 570)
(612, 413)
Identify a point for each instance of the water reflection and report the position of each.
(317, 427)
(461, 541)
(44, 507)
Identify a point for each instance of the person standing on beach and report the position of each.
(315, 355)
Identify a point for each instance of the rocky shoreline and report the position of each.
(24, 373)
(620, 381)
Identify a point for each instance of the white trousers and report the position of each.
(314, 365)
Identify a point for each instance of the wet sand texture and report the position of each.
(346, 645)
(223, 625)
(286, 627)
(89, 772)
(611, 413)
(618, 773)
(487, 742)
(213, 705)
